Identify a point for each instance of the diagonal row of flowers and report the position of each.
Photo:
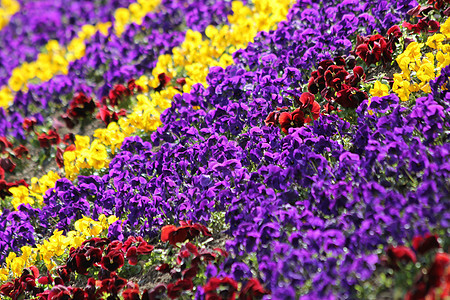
(224, 166)
(61, 22)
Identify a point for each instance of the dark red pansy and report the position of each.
(163, 81)
(79, 294)
(7, 164)
(164, 268)
(309, 106)
(113, 260)
(117, 93)
(28, 124)
(156, 293)
(59, 292)
(423, 244)
(21, 151)
(434, 26)
(394, 31)
(131, 294)
(227, 291)
(437, 269)
(4, 144)
(400, 253)
(350, 97)
(132, 256)
(252, 290)
(59, 157)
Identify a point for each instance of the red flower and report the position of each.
(59, 292)
(113, 260)
(116, 94)
(20, 151)
(350, 97)
(175, 290)
(28, 124)
(106, 115)
(426, 243)
(4, 143)
(400, 253)
(2, 175)
(187, 231)
(111, 285)
(132, 86)
(210, 288)
(163, 81)
(156, 293)
(294, 119)
(309, 106)
(59, 157)
(437, 269)
(7, 164)
(164, 268)
(48, 139)
(131, 294)
(253, 289)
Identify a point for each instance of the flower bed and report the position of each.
(257, 150)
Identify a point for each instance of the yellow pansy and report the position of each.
(379, 89)
(20, 196)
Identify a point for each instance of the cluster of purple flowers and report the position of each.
(323, 197)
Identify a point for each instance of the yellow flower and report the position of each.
(99, 156)
(426, 72)
(379, 89)
(435, 41)
(401, 87)
(88, 227)
(445, 28)
(4, 274)
(20, 196)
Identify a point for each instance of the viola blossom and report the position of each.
(375, 48)
(4, 144)
(228, 288)
(187, 231)
(21, 151)
(80, 107)
(107, 116)
(424, 25)
(50, 138)
(350, 97)
(7, 164)
(163, 81)
(437, 276)
(118, 93)
(423, 244)
(252, 290)
(399, 254)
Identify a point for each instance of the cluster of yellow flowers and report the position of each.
(85, 156)
(55, 246)
(35, 193)
(419, 68)
(196, 54)
(56, 58)
(7, 9)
